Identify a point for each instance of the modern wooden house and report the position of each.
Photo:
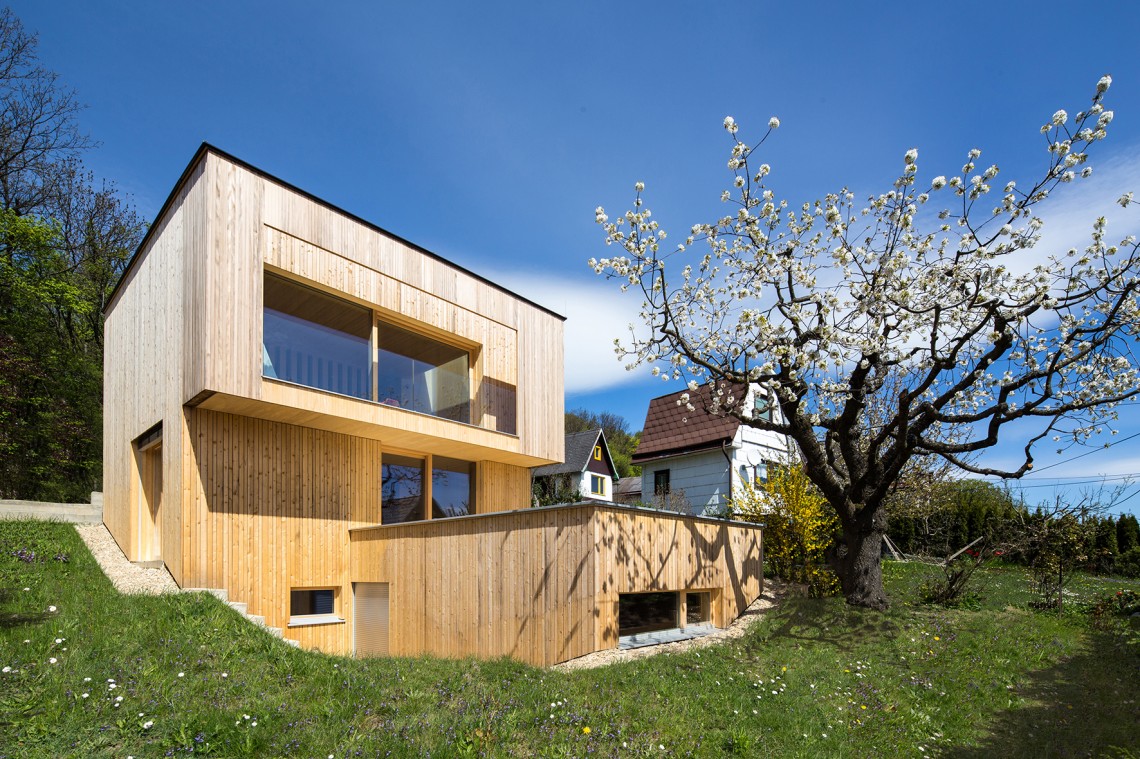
(337, 427)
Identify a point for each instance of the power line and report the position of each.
(1086, 453)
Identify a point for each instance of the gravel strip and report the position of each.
(774, 591)
(126, 577)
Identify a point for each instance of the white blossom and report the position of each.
(773, 123)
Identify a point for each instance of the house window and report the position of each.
(761, 407)
(314, 339)
(762, 472)
(597, 453)
(597, 485)
(743, 474)
(417, 373)
(452, 487)
(312, 606)
(661, 482)
(401, 489)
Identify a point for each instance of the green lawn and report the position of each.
(108, 675)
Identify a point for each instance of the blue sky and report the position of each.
(489, 132)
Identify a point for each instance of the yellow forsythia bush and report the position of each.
(800, 527)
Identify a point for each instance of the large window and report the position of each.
(401, 490)
(418, 373)
(452, 488)
(597, 485)
(315, 339)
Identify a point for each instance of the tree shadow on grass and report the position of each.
(830, 621)
(1087, 705)
(10, 619)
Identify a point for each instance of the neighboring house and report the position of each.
(628, 489)
(694, 461)
(588, 470)
(337, 428)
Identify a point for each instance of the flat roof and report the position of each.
(206, 148)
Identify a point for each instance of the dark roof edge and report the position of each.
(711, 445)
(206, 147)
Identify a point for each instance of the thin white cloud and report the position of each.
(596, 313)
(1070, 213)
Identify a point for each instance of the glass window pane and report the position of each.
(452, 488)
(401, 490)
(304, 602)
(421, 374)
(315, 339)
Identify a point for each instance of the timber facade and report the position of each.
(337, 427)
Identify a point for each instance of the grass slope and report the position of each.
(88, 672)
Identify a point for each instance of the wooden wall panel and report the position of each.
(143, 363)
(542, 585)
(275, 503)
(501, 487)
(506, 584)
(639, 551)
(540, 387)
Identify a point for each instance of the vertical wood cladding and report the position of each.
(542, 585)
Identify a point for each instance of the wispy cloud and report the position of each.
(1069, 214)
(596, 313)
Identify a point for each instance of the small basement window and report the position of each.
(315, 606)
(697, 608)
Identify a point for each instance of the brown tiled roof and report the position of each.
(671, 428)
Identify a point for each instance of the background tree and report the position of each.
(824, 304)
(1127, 532)
(63, 245)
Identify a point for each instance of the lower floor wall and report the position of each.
(267, 508)
(544, 585)
(262, 509)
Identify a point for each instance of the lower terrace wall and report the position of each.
(542, 585)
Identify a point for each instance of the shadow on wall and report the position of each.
(647, 563)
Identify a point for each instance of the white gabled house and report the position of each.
(695, 461)
(588, 470)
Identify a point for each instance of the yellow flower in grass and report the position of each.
(586, 731)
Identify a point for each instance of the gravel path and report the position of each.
(774, 592)
(126, 577)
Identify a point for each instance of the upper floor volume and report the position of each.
(281, 306)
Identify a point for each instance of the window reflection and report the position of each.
(401, 490)
(421, 374)
(315, 339)
(452, 488)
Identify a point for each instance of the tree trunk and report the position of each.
(858, 559)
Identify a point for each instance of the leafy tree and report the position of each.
(63, 245)
(1127, 532)
(826, 306)
(799, 527)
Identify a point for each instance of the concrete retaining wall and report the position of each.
(75, 513)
